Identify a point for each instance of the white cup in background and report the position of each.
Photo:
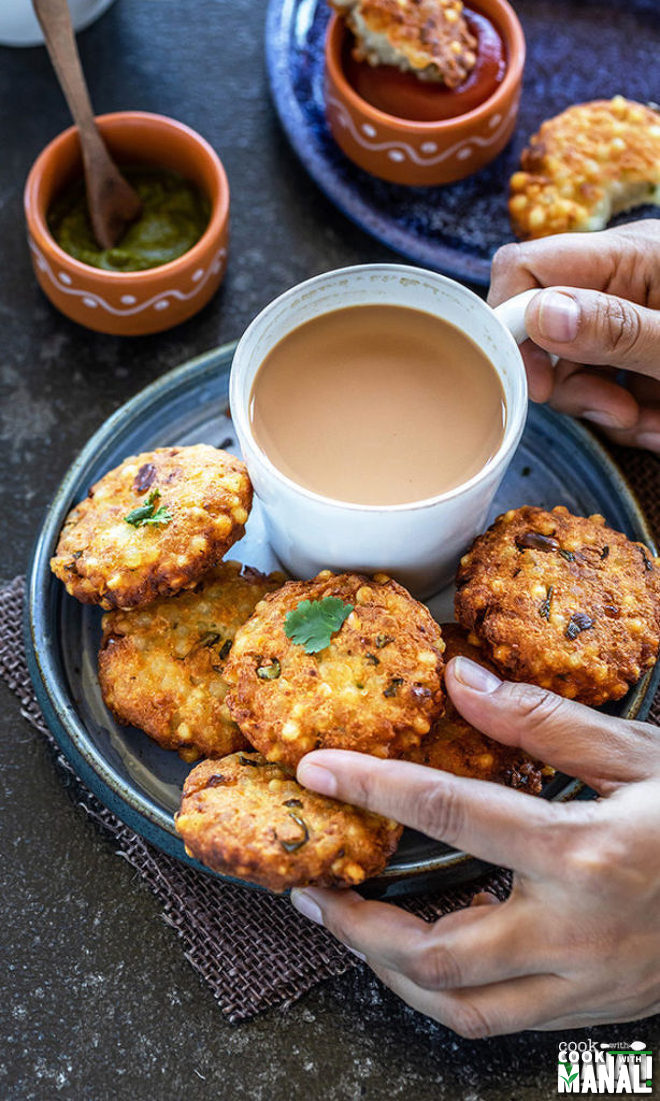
(418, 543)
(19, 25)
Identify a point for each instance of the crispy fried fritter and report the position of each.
(193, 504)
(562, 601)
(376, 688)
(244, 816)
(454, 745)
(161, 667)
(586, 165)
(429, 38)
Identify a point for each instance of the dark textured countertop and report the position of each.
(98, 1001)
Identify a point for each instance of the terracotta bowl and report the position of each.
(419, 153)
(130, 303)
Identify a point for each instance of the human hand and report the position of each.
(612, 324)
(577, 942)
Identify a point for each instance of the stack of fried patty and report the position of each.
(251, 672)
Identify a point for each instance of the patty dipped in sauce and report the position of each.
(422, 60)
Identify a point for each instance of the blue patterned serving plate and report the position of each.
(577, 50)
(558, 462)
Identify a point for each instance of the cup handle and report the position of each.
(512, 315)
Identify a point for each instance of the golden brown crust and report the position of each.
(563, 602)
(585, 165)
(429, 38)
(376, 688)
(245, 817)
(161, 667)
(104, 560)
(454, 745)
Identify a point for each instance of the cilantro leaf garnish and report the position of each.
(162, 515)
(148, 513)
(313, 623)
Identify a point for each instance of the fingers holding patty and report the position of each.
(580, 741)
(455, 745)
(489, 821)
(244, 816)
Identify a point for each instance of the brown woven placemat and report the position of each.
(253, 949)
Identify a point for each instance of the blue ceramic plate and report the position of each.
(557, 463)
(577, 50)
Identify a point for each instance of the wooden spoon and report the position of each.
(112, 202)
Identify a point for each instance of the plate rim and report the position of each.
(60, 713)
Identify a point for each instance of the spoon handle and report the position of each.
(55, 20)
(112, 202)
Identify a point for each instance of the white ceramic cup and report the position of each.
(421, 542)
(19, 25)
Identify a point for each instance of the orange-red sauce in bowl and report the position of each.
(404, 95)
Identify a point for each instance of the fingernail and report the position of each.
(317, 778)
(484, 898)
(302, 901)
(650, 440)
(558, 317)
(605, 420)
(355, 952)
(475, 676)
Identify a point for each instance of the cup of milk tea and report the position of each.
(377, 408)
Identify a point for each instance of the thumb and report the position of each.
(600, 749)
(591, 327)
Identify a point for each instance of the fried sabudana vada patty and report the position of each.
(587, 164)
(153, 526)
(376, 688)
(454, 745)
(161, 667)
(563, 602)
(429, 38)
(244, 816)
